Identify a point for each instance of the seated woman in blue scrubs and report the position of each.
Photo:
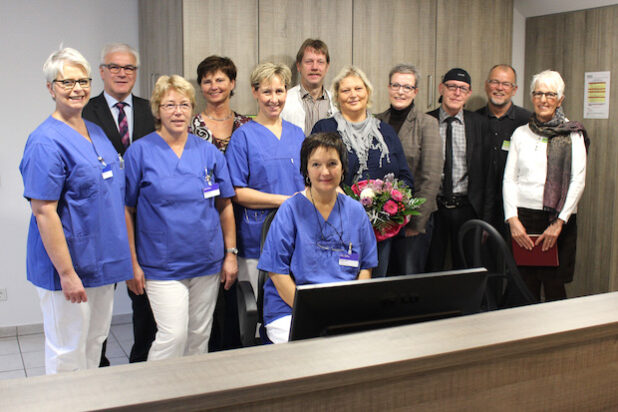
(263, 158)
(77, 241)
(317, 236)
(374, 149)
(179, 217)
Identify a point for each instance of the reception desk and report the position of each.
(553, 356)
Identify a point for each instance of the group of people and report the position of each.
(174, 202)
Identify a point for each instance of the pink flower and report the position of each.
(355, 189)
(366, 201)
(396, 195)
(390, 207)
(388, 186)
(378, 184)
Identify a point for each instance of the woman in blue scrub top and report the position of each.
(263, 158)
(180, 222)
(77, 242)
(317, 236)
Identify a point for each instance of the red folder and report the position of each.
(535, 257)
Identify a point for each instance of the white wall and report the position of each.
(29, 32)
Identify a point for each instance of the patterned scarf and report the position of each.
(558, 132)
(360, 138)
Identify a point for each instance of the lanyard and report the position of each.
(340, 234)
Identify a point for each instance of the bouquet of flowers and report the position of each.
(388, 203)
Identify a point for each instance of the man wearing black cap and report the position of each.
(461, 195)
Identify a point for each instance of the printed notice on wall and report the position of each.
(596, 95)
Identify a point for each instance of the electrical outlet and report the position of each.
(3, 295)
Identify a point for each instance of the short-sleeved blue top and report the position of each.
(301, 241)
(177, 230)
(61, 165)
(260, 161)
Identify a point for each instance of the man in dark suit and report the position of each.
(503, 118)
(462, 192)
(124, 118)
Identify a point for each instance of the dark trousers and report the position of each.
(447, 222)
(225, 332)
(384, 255)
(144, 327)
(144, 330)
(409, 254)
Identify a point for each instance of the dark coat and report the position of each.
(477, 160)
(98, 112)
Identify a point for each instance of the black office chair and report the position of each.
(505, 287)
(249, 311)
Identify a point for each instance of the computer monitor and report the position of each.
(343, 307)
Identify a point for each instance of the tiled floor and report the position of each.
(24, 355)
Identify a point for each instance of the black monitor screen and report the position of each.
(344, 307)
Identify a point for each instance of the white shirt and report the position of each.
(128, 111)
(526, 171)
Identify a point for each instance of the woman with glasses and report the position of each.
(263, 158)
(216, 77)
(77, 242)
(422, 146)
(374, 150)
(544, 179)
(317, 236)
(180, 222)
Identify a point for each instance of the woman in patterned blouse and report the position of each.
(216, 76)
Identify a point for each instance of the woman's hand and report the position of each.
(550, 235)
(518, 232)
(137, 285)
(72, 288)
(229, 271)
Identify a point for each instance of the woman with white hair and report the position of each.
(544, 179)
(374, 149)
(77, 242)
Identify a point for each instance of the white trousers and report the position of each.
(183, 312)
(278, 330)
(248, 271)
(75, 332)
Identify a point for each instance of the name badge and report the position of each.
(506, 145)
(211, 191)
(348, 259)
(107, 172)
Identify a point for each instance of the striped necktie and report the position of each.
(123, 124)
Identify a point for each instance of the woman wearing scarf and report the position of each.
(374, 150)
(544, 179)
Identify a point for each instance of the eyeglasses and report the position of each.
(115, 69)
(406, 88)
(69, 84)
(454, 87)
(548, 95)
(506, 85)
(171, 107)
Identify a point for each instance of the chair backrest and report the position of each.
(262, 275)
(481, 245)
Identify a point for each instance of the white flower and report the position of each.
(367, 193)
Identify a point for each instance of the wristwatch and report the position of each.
(232, 250)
